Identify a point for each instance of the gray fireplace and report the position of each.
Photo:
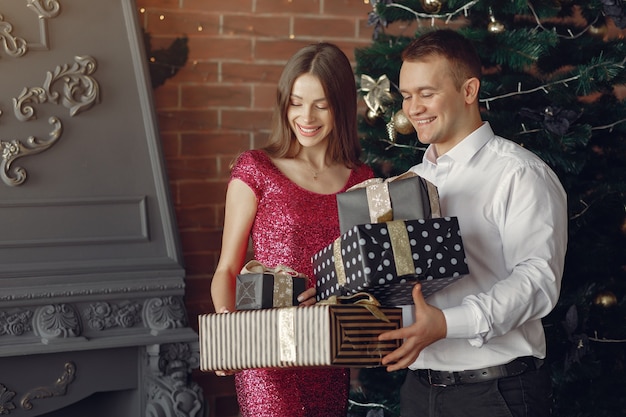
(92, 319)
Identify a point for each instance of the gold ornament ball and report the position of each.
(432, 6)
(402, 124)
(495, 27)
(371, 117)
(605, 299)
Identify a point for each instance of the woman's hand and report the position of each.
(224, 373)
(307, 298)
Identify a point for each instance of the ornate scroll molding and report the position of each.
(103, 315)
(45, 9)
(13, 46)
(165, 313)
(14, 149)
(79, 92)
(57, 321)
(170, 391)
(57, 389)
(6, 400)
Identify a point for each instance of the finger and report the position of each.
(308, 302)
(401, 333)
(396, 367)
(399, 359)
(405, 349)
(307, 295)
(418, 297)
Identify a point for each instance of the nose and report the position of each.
(308, 114)
(413, 107)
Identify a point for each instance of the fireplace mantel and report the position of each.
(92, 318)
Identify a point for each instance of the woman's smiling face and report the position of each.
(309, 114)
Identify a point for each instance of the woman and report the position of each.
(283, 196)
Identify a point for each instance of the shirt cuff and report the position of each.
(462, 323)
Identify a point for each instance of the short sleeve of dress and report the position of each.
(248, 168)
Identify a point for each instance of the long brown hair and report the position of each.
(331, 66)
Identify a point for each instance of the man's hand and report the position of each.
(429, 326)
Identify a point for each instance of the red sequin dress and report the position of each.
(291, 225)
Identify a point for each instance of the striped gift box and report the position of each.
(319, 335)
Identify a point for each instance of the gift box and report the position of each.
(405, 197)
(318, 335)
(387, 259)
(261, 287)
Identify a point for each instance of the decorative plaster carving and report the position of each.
(6, 400)
(16, 46)
(13, 45)
(15, 324)
(165, 313)
(57, 321)
(103, 315)
(79, 92)
(57, 389)
(170, 390)
(15, 149)
(45, 9)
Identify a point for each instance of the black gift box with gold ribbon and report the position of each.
(259, 286)
(405, 197)
(387, 259)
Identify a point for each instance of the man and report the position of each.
(477, 347)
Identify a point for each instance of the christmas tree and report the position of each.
(554, 82)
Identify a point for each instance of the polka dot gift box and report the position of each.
(387, 259)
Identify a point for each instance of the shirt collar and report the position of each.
(466, 149)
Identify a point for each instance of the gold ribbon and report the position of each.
(379, 201)
(283, 280)
(362, 299)
(339, 268)
(402, 255)
(287, 334)
(400, 247)
(377, 91)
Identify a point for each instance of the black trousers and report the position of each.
(525, 395)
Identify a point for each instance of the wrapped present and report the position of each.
(261, 287)
(343, 335)
(405, 197)
(387, 259)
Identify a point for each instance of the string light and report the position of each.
(446, 16)
(466, 8)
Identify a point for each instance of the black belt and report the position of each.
(515, 367)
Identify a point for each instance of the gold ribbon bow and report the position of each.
(362, 299)
(283, 280)
(379, 201)
(377, 91)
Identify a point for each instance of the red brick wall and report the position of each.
(220, 104)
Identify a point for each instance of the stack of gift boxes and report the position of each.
(392, 236)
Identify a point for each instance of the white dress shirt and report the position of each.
(512, 213)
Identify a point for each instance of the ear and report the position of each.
(470, 90)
